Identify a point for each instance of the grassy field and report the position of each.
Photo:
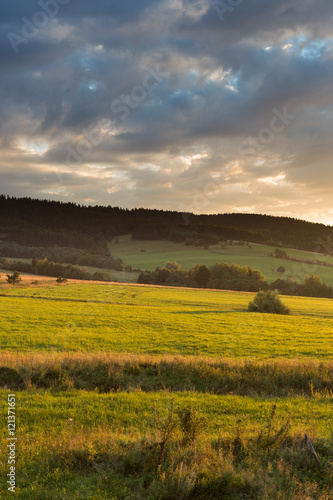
(150, 254)
(120, 276)
(116, 372)
(131, 392)
(156, 320)
(147, 255)
(100, 446)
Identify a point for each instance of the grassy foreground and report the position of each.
(98, 417)
(85, 445)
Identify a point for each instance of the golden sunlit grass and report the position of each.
(134, 319)
(105, 411)
(108, 446)
(107, 372)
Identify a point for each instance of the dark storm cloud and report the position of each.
(152, 103)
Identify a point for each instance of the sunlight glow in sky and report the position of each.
(164, 104)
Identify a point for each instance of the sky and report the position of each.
(205, 106)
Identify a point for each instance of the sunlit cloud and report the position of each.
(278, 179)
(38, 147)
(147, 103)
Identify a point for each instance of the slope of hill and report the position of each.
(148, 254)
(47, 223)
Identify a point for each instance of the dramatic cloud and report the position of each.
(206, 106)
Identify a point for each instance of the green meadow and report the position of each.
(120, 318)
(86, 445)
(117, 276)
(131, 392)
(147, 255)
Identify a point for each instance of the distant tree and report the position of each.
(14, 279)
(161, 275)
(268, 301)
(280, 254)
(313, 280)
(286, 287)
(281, 269)
(146, 277)
(201, 276)
(234, 277)
(172, 266)
(311, 286)
(177, 278)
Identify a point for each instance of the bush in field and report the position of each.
(191, 423)
(14, 279)
(281, 269)
(268, 301)
(60, 279)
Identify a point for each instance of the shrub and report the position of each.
(60, 279)
(191, 423)
(14, 278)
(268, 301)
(281, 269)
(10, 378)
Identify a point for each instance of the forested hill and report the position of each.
(32, 222)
